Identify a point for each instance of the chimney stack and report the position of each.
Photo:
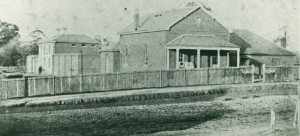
(58, 30)
(283, 41)
(136, 19)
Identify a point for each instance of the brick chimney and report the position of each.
(136, 19)
(283, 41)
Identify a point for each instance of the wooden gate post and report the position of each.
(273, 120)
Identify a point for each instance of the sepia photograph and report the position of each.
(149, 67)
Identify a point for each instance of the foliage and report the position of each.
(11, 57)
(8, 32)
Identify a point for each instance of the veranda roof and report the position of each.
(190, 40)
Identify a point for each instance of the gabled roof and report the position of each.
(70, 38)
(257, 45)
(200, 40)
(161, 21)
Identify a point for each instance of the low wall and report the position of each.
(178, 92)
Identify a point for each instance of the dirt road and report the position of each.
(183, 116)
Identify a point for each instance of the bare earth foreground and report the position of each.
(223, 115)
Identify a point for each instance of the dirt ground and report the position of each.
(224, 115)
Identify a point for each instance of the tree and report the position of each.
(8, 32)
(10, 57)
(36, 35)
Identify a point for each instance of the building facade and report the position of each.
(151, 46)
(191, 38)
(66, 54)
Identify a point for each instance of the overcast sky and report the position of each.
(267, 18)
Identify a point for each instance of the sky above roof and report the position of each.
(267, 18)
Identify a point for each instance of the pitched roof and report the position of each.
(70, 38)
(258, 45)
(200, 40)
(161, 21)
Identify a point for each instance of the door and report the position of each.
(213, 61)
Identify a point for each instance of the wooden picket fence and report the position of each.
(281, 74)
(54, 85)
(12, 88)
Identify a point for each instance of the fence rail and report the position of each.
(54, 85)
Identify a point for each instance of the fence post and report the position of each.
(28, 86)
(48, 79)
(208, 76)
(17, 88)
(225, 73)
(81, 84)
(53, 84)
(273, 120)
(264, 72)
(61, 85)
(252, 72)
(117, 80)
(34, 86)
(7, 89)
(185, 79)
(103, 81)
(160, 72)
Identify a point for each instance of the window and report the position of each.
(125, 54)
(83, 45)
(214, 60)
(198, 20)
(180, 57)
(73, 45)
(146, 54)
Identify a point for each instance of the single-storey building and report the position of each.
(192, 38)
(185, 38)
(258, 51)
